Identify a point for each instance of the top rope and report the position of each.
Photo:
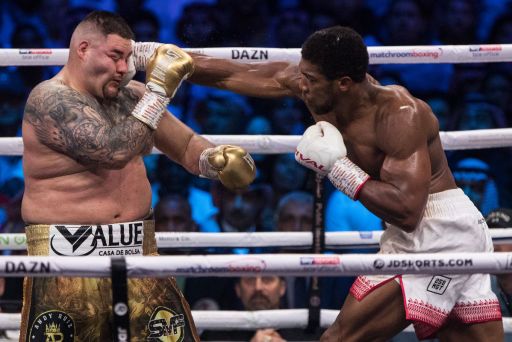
(378, 54)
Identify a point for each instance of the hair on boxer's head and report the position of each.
(499, 218)
(107, 23)
(338, 51)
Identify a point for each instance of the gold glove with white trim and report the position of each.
(232, 165)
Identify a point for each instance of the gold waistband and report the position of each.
(38, 238)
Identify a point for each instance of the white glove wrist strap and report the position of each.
(142, 52)
(150, 108)
(205, 168)
(348, 177)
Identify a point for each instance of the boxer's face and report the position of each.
(317, 90)
(106, 64)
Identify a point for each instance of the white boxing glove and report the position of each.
(319, 148)
(322, 149)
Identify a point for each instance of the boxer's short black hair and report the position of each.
(109, 23)
(338, 51)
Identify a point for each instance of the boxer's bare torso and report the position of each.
(391, 135)
(74, 171)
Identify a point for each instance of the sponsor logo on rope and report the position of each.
(17, 240)
(422, 263)
(30, 267)
(250, 54)
(485, 50)
(100, 240)
(53, 326)
(166, 325)
(366, 235)
(438, 284)
(35, 51)
(334, 260)
(427, 54)
(236, 266)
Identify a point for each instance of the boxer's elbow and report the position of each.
(409, 218)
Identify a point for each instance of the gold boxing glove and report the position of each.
(167, 67)
(232, 165)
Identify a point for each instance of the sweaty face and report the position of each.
(260, 293)
(317, 90)
(106, 64)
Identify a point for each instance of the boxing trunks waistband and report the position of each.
(121, 239)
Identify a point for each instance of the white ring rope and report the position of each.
(334, 240)
(230, 265)
(378, 54)
(276, 144)
(243, 320)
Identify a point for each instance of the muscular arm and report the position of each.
(180, 143)
(399, 197)
(75, 125)
(271, 79)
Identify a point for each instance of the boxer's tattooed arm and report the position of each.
(93, 134)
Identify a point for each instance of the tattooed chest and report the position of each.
(116, 110)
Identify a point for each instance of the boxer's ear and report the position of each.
(82, 48)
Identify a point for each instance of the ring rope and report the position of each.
(267, 264)
(276, 144)
(334, 240)
(244, 320)
(416, 54)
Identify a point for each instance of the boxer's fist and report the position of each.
(167, 67)
(319, 148)
(232, 165)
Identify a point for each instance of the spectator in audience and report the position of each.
(457, 21)
(287, 175)
(240, 211)
(497, 87)
(172, 179)
(244, 23)
(408, 23)
(29, 36)
(501, 30)
(289, 117)
(53, 14)
(442, 108)
(199, 26)
(295, 213)
(11, 193)
(174, 214)
(502, 283)
(472, 175)
(260, 293)
(352, 13)
(292, 27)
(475, 112)
(13, 93)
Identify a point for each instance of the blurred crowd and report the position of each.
(462, 96)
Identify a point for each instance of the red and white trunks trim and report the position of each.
(428, 318)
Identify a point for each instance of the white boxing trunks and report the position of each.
(451, 223)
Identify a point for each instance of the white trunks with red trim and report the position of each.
(451, 223)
